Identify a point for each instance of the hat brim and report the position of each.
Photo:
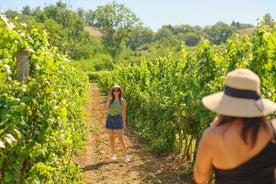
(116, 86)
(238, 107)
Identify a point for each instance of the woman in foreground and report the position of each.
(239, 145)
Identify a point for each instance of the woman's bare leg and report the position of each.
(121, 140)
(112, 141)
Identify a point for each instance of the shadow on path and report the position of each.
(95, 166)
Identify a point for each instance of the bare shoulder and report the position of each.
(210, 130)
(123, 101)
(208, 142)
(210, 133)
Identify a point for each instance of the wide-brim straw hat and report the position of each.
(116, 86)
(241, 96)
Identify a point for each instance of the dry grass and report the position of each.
(92, 31)
(249, 31)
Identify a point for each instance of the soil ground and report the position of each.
(95, 161)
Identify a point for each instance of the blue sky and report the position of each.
(155, 13)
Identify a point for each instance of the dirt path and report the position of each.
(96, 164)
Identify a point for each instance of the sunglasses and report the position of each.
(116, 90)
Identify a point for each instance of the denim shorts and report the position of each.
(114, 122)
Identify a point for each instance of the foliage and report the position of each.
(112, 17)
(187, 174)
(219, 33)
(267, 20)
(164, 93)
(94, 77)
(116, 22)
(41, 123)
(240, 26)
(123, 37)
(65, 28)
(140, 36)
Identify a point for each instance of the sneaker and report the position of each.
(113, 157)
(127, 160)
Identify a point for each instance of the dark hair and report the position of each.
(250, 127)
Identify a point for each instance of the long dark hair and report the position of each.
(250, 127)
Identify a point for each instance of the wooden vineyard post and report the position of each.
(22, 65)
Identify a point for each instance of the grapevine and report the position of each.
(41, 123)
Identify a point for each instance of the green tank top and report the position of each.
(115, 108)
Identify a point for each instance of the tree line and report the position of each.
(124, 39)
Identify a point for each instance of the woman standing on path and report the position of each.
(240, 144)
(116, 119)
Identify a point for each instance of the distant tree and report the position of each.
(192, 38)
(236, 24)
(184, 28)
(245, 26)
(186, 34)
(81, 13)
(189, 34)
(89, 18)
(140, 36)
(267, 20)
(27, 10)
(240, 26)
(56, 36)
(12, 14)
(39, 15)
(114, 16)
(71, 38)
(219, 33)
(165, 33)
(115, 21)
(168, 27)
(165, 42)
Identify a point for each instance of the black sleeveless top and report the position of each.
(258, 170)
